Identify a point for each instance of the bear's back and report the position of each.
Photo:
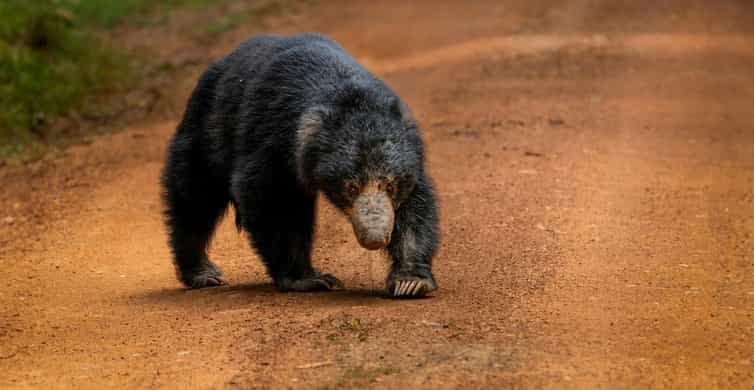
(284, 54)
(306, 65)
(253, 98)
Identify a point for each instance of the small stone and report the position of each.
(314, 365)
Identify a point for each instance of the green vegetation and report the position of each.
(224, 24)
(106, 13)
(51, 60)
(257, 10)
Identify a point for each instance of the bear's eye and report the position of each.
(390, 188)
(352, 189)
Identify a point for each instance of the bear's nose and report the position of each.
(372, 219)
(373, 240)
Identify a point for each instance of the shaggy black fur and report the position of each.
(267, 128)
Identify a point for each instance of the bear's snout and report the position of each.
(372, 218)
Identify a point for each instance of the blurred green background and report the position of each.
(52, 59)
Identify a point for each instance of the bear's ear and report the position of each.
(400, 109)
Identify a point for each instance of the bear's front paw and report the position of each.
(403, 285)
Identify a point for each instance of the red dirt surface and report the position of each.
(595, 165)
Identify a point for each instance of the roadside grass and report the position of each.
(51, 61)
(254, 11)
(108, 13)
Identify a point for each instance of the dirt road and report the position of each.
(595, 164)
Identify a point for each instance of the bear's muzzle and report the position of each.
(372, 217)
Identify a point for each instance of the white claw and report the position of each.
(408, 288)
(411, 287)
(398, 289)
(417, 287)
(404, 287)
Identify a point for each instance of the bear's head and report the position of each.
(365, 157)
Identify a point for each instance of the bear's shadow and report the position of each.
(261, 293)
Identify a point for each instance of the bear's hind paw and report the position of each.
(208, 275)
(323, 282)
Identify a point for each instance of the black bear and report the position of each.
(270, 126)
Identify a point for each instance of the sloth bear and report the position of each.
(270, 126)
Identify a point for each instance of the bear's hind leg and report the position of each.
(194, 205)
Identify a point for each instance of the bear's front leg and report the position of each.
(414, 242)
(280, 220)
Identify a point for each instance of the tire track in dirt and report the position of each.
(543, 44)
